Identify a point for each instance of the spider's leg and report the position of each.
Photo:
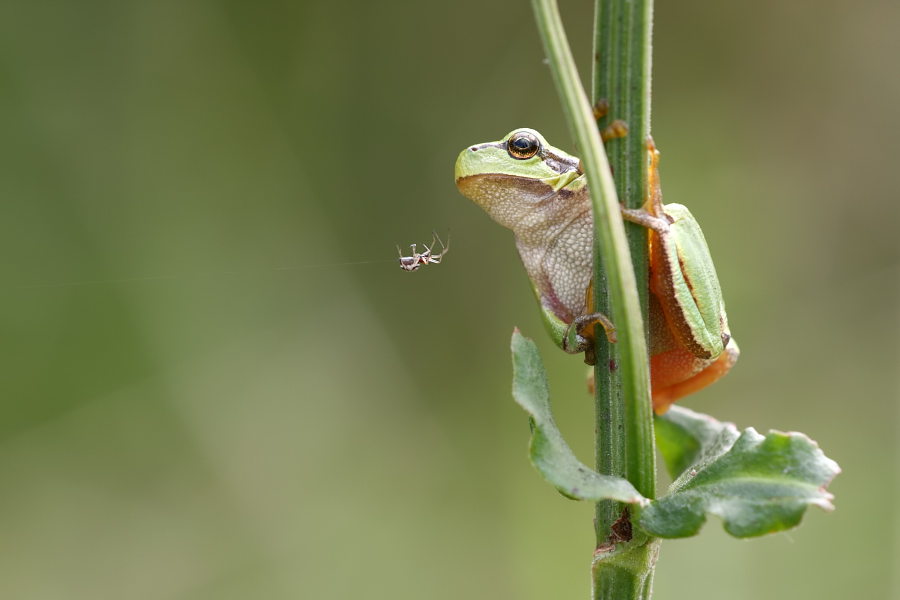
(444, 248)
(428, 249)
(437, 257)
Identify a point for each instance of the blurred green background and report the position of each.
(198, 424)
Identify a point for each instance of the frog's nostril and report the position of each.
(473, 149)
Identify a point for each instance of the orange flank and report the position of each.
(674, 371)
(678, 373)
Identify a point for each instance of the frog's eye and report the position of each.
(523, 145)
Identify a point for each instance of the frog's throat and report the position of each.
(520, 203)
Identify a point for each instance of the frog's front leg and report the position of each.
(580, 335)
(576, 336)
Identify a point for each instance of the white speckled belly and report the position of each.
(561, 263)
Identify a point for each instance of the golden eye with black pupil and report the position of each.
(523, 145)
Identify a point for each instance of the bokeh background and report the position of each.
(188, 413)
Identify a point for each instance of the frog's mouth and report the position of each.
(478, 147)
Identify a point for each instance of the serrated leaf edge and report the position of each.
(756, 439)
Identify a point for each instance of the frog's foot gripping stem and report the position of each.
(616, 129)
(600, 109)
(579, 335)
(643, 217)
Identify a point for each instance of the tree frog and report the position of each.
(541, 194)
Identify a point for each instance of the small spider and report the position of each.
(411, 263)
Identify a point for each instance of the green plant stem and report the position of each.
(622, 374)
(621, 76)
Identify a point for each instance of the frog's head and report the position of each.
(510, 177)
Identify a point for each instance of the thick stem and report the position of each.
(621, 76)
(625, 573)
(609, 407)
(622, 63)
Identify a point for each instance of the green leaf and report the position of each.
(548, 450)
(685, 438)
(756, 484)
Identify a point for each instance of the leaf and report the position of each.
(756, 484)
(548, 450)
(685, 438)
